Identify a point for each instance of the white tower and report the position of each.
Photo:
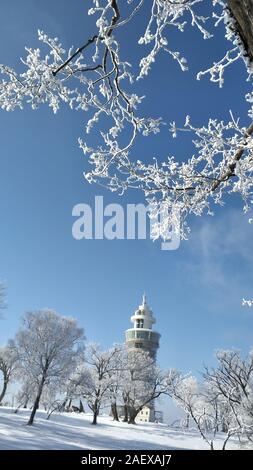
(141, 336)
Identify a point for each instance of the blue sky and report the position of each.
(196, 291)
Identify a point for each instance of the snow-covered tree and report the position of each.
(8, 365)
(26, 393)
(96, 78)
(94, 380)
(102, 365)
(116, 375)
(50, 396)
(48, 346)
(72, 389)
(142, 382)
(223, 402)
(232, 383)
(203, 409)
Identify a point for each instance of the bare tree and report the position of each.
(48, 347)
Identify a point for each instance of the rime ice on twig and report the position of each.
(95, 78)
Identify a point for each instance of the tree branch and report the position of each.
(78, 51)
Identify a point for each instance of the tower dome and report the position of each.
(141, 336)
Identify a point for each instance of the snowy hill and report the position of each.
(74, 431)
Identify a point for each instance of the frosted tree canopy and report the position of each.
(96, 79)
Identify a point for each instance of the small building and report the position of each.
(146, 415)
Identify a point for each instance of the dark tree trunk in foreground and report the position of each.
(242, 11)
(132, 413)
(3, 390)
(95, 411)
(34, 409)
(95, 417)
(37, 401)
(125, 420)
(81, 408)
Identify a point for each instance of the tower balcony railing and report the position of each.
(143, 334)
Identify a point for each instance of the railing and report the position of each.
(152, 336)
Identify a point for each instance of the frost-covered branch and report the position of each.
(97, 80)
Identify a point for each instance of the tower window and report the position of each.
(139, 323)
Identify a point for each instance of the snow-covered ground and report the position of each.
(74, 431)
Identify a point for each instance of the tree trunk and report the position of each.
(95, 416)
(187, 421)
(63, 406)
(224, 427)
(26, 403)
(226, 441)
(49, 414)
(37, 401)
(34, 409)
(242, 11)
(3, 390)
(114, 411)
(125, 420)
(81, 408)
(132, 413)
(16, 410)
(95, 412)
